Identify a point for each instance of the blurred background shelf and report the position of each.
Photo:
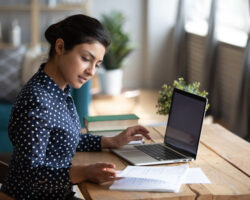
(8, 8)
(39, 14)
(64, 7)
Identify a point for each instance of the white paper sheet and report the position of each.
(170, 174)
(196, 175)
(160, 179)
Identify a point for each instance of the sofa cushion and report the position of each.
(10, 72)
(6, 145)
(32, 61)
(5, 110)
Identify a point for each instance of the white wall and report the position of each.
(133, 11)
(149, 22)
(161, 16)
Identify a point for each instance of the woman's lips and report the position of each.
(82, 79)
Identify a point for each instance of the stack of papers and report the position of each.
(158, 179)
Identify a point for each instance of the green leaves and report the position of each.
(120, 46)
(165, 98)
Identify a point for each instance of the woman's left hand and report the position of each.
(133, 133)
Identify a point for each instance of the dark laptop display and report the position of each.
(185, 122)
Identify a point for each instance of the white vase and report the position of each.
(111, 81)
(15, 34)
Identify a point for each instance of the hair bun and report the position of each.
(52, 33)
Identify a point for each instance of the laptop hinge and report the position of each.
(180, 151)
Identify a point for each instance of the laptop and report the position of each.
(182, 134)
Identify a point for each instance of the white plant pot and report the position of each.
(111, 81)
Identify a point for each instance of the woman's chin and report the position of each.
(77, 85)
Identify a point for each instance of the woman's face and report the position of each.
(79, 64)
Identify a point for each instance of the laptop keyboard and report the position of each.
(159, 152)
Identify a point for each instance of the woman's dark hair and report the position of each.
(76, 29)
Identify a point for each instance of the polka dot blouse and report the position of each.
(45, 131)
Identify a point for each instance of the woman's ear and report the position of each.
(59, 46)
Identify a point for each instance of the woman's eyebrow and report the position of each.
(92, 55)
(88, 52)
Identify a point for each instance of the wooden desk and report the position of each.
(223, 157)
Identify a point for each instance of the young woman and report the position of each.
(44, 127)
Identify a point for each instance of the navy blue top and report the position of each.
(45, 131)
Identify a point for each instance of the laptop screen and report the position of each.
(185, 121)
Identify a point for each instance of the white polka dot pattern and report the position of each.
(45, 132)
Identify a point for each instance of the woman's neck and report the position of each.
(53, 71)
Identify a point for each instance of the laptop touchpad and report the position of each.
(137, 156)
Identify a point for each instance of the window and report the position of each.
(197, 15)
(232, 21)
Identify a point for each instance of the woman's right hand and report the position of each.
(96, 173)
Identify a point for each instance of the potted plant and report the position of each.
(111, 73)
(165, 98)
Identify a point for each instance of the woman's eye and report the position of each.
(85, 59)
(98, 65)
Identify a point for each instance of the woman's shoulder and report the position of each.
(32, 90)
(33, 93)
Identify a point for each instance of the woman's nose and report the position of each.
(91, 70)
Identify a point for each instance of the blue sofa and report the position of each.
(81, 98)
